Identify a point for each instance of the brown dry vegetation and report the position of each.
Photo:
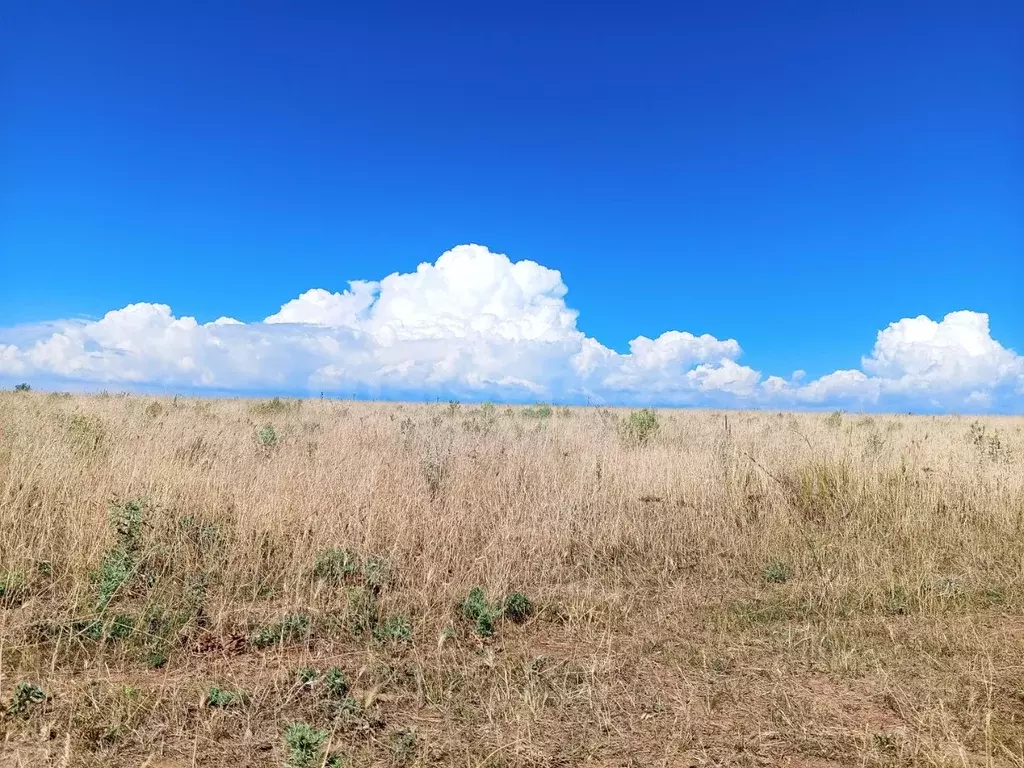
(805, 590)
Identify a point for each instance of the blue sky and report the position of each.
(795, 176)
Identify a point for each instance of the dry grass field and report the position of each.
(190, 582)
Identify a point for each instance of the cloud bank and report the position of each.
(476, 324)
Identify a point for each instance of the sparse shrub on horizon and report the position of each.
(274, 407)
(639, 427)
(538, 411)
(23, 387)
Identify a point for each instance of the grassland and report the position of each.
(188, 582)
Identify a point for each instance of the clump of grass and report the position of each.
(834, 420)
(639, 427)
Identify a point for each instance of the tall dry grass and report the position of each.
(758, 586)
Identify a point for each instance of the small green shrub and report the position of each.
(775, 572)
(639, 427)
(335, 683)
(538, 411)
(376, 572)
(518, 607)
(274, 407)
(25, 696)
(156, 658)
(307, 675)
(477, 609)
(268, 436)
(305, 745)
(23, 387)
(121, 562)
(336, 565)
(394, 628)
(287, 630)
(222, 699)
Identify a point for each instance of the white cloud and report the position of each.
(958, 353)
(475, 323)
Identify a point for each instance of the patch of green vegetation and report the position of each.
(26, 695)
(538, 411)
(222, 699)
(305, 745)
(484, 614)
(336, 565)
(477, 609)
(335, 683)
(639, 427)
(288, 630)
(518, 607)
(393, 629)
(268, 436)
(775, 572)
(274, 407)
(376, 572)
(156, 658)
(121, 562)
(23, 387)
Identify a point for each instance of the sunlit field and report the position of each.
(192, 582)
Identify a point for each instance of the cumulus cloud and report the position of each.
(475, 323)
